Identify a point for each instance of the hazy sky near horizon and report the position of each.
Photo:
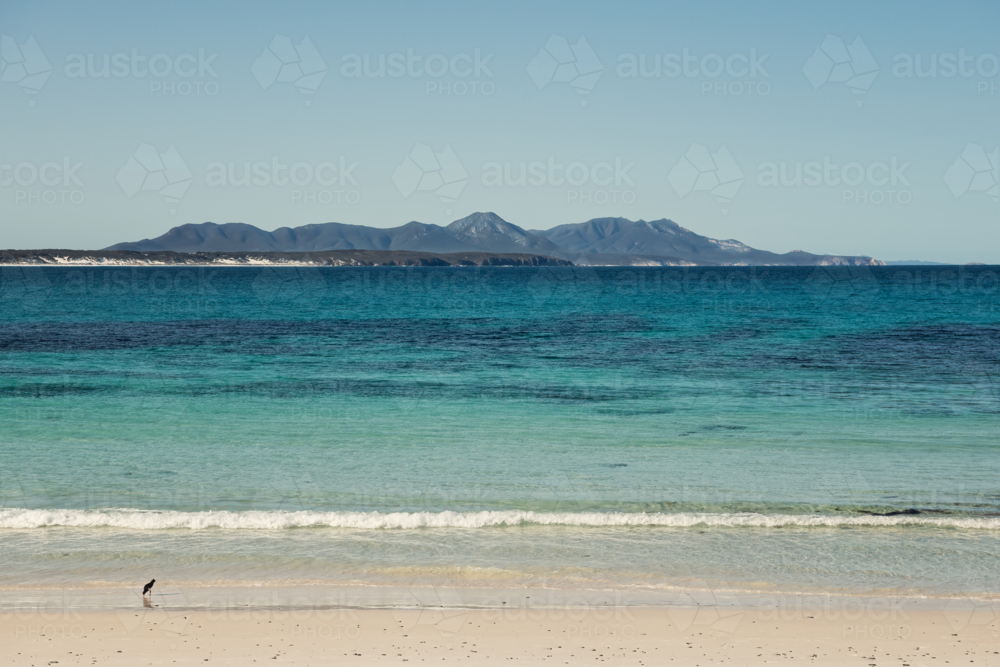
(848, 127)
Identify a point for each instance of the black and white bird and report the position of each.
(148, 587)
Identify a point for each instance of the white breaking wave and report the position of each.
(275, 520)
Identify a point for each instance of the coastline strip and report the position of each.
(135, 519)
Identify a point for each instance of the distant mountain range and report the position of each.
(602, 241)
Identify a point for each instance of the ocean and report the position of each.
(754, 430)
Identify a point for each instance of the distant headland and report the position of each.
(480, 239)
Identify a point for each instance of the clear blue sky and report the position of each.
(350, 137)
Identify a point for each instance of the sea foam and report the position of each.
(275, 520)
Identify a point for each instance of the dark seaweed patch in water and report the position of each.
(466, 334)
(193, 386)
(953, 352)
(48, 390)
(723, 427)
(631, 412)
(964, 510)
(893, 512)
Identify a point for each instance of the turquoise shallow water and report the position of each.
(824, 428)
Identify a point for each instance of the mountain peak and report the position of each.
(488, 220)
(484, 230)
(483, 215)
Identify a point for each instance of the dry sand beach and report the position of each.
(796, 630)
